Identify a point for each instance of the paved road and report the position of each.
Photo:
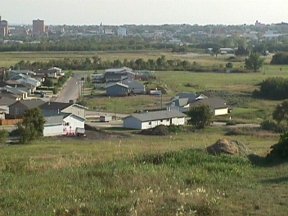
(70, 91)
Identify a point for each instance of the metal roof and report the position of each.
(157, 115)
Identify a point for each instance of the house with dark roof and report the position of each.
(117, 90)
(135, 86)
(52, 108)
(148, 120)
(17, 109)
(183, 100)
(5, 102)
(118, 74)
(217, 105)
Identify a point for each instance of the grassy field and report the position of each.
(140, 175)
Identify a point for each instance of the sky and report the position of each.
(119, 12)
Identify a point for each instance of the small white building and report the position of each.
(71, 122)
(152, 119)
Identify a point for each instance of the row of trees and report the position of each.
(280, 59)
(254, 62)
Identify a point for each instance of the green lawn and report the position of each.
(135, 176)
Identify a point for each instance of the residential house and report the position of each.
(5, 102)
(71, 122)
(217, 105)
(54, 108)
(19, 93)
(117, 90)
(148, 120)
(26, 81)
(53, 72)
(17, 109)
(183, 100)
(118, 74)
(135, 86)
(53, 125)
(62, 124)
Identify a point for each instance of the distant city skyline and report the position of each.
(151, 12)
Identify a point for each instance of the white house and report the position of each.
(62, 124)
(217, 105)
(53, 126)
(152, 119)
(71, 122)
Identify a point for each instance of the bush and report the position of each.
(271, 125)
(280, 150)
(160, 130)
(275, 88)
(280, 59)
(3, 136)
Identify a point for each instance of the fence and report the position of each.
(9, 121)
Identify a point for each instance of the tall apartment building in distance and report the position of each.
(3, 27)
(38, 27)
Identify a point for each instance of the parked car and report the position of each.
(80, 132)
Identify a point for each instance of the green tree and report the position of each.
(281, 112)
(32, 125)
(254, 62)
(201, 116)
(48, 82)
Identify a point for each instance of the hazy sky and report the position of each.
(119, 12)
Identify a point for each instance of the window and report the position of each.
(150, 123)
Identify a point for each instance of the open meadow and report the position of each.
(150, 175)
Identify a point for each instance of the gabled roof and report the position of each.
(73, 116)
(6, 100)
(118, 70)
(55, 106)
(157, 115)
(118, 83)
(133, 84)
(214, 103)
(191, 96)
(53, 120)
(29, 104)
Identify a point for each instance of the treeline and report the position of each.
(275, 88)
(87, 44)
(96, 63)
(280, 59)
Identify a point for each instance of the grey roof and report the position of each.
(30, 104)
(118, 83)
(214, 103)
(53, 120)
(6, 100)
(118, 70)
(54, 106)
(157, 115)
(191, 96)
(133, 84)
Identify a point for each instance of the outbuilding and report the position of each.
(148, 120)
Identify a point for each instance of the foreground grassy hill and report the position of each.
(140, 175)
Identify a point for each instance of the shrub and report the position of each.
(271, 125)
(3, 136)
(280, 150)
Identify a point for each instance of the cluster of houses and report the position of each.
(123, 81)
(16, 97)
(60, 118)
(175, 112)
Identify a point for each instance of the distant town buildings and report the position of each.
(38, 27)
(122, 32)
(3, 27)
